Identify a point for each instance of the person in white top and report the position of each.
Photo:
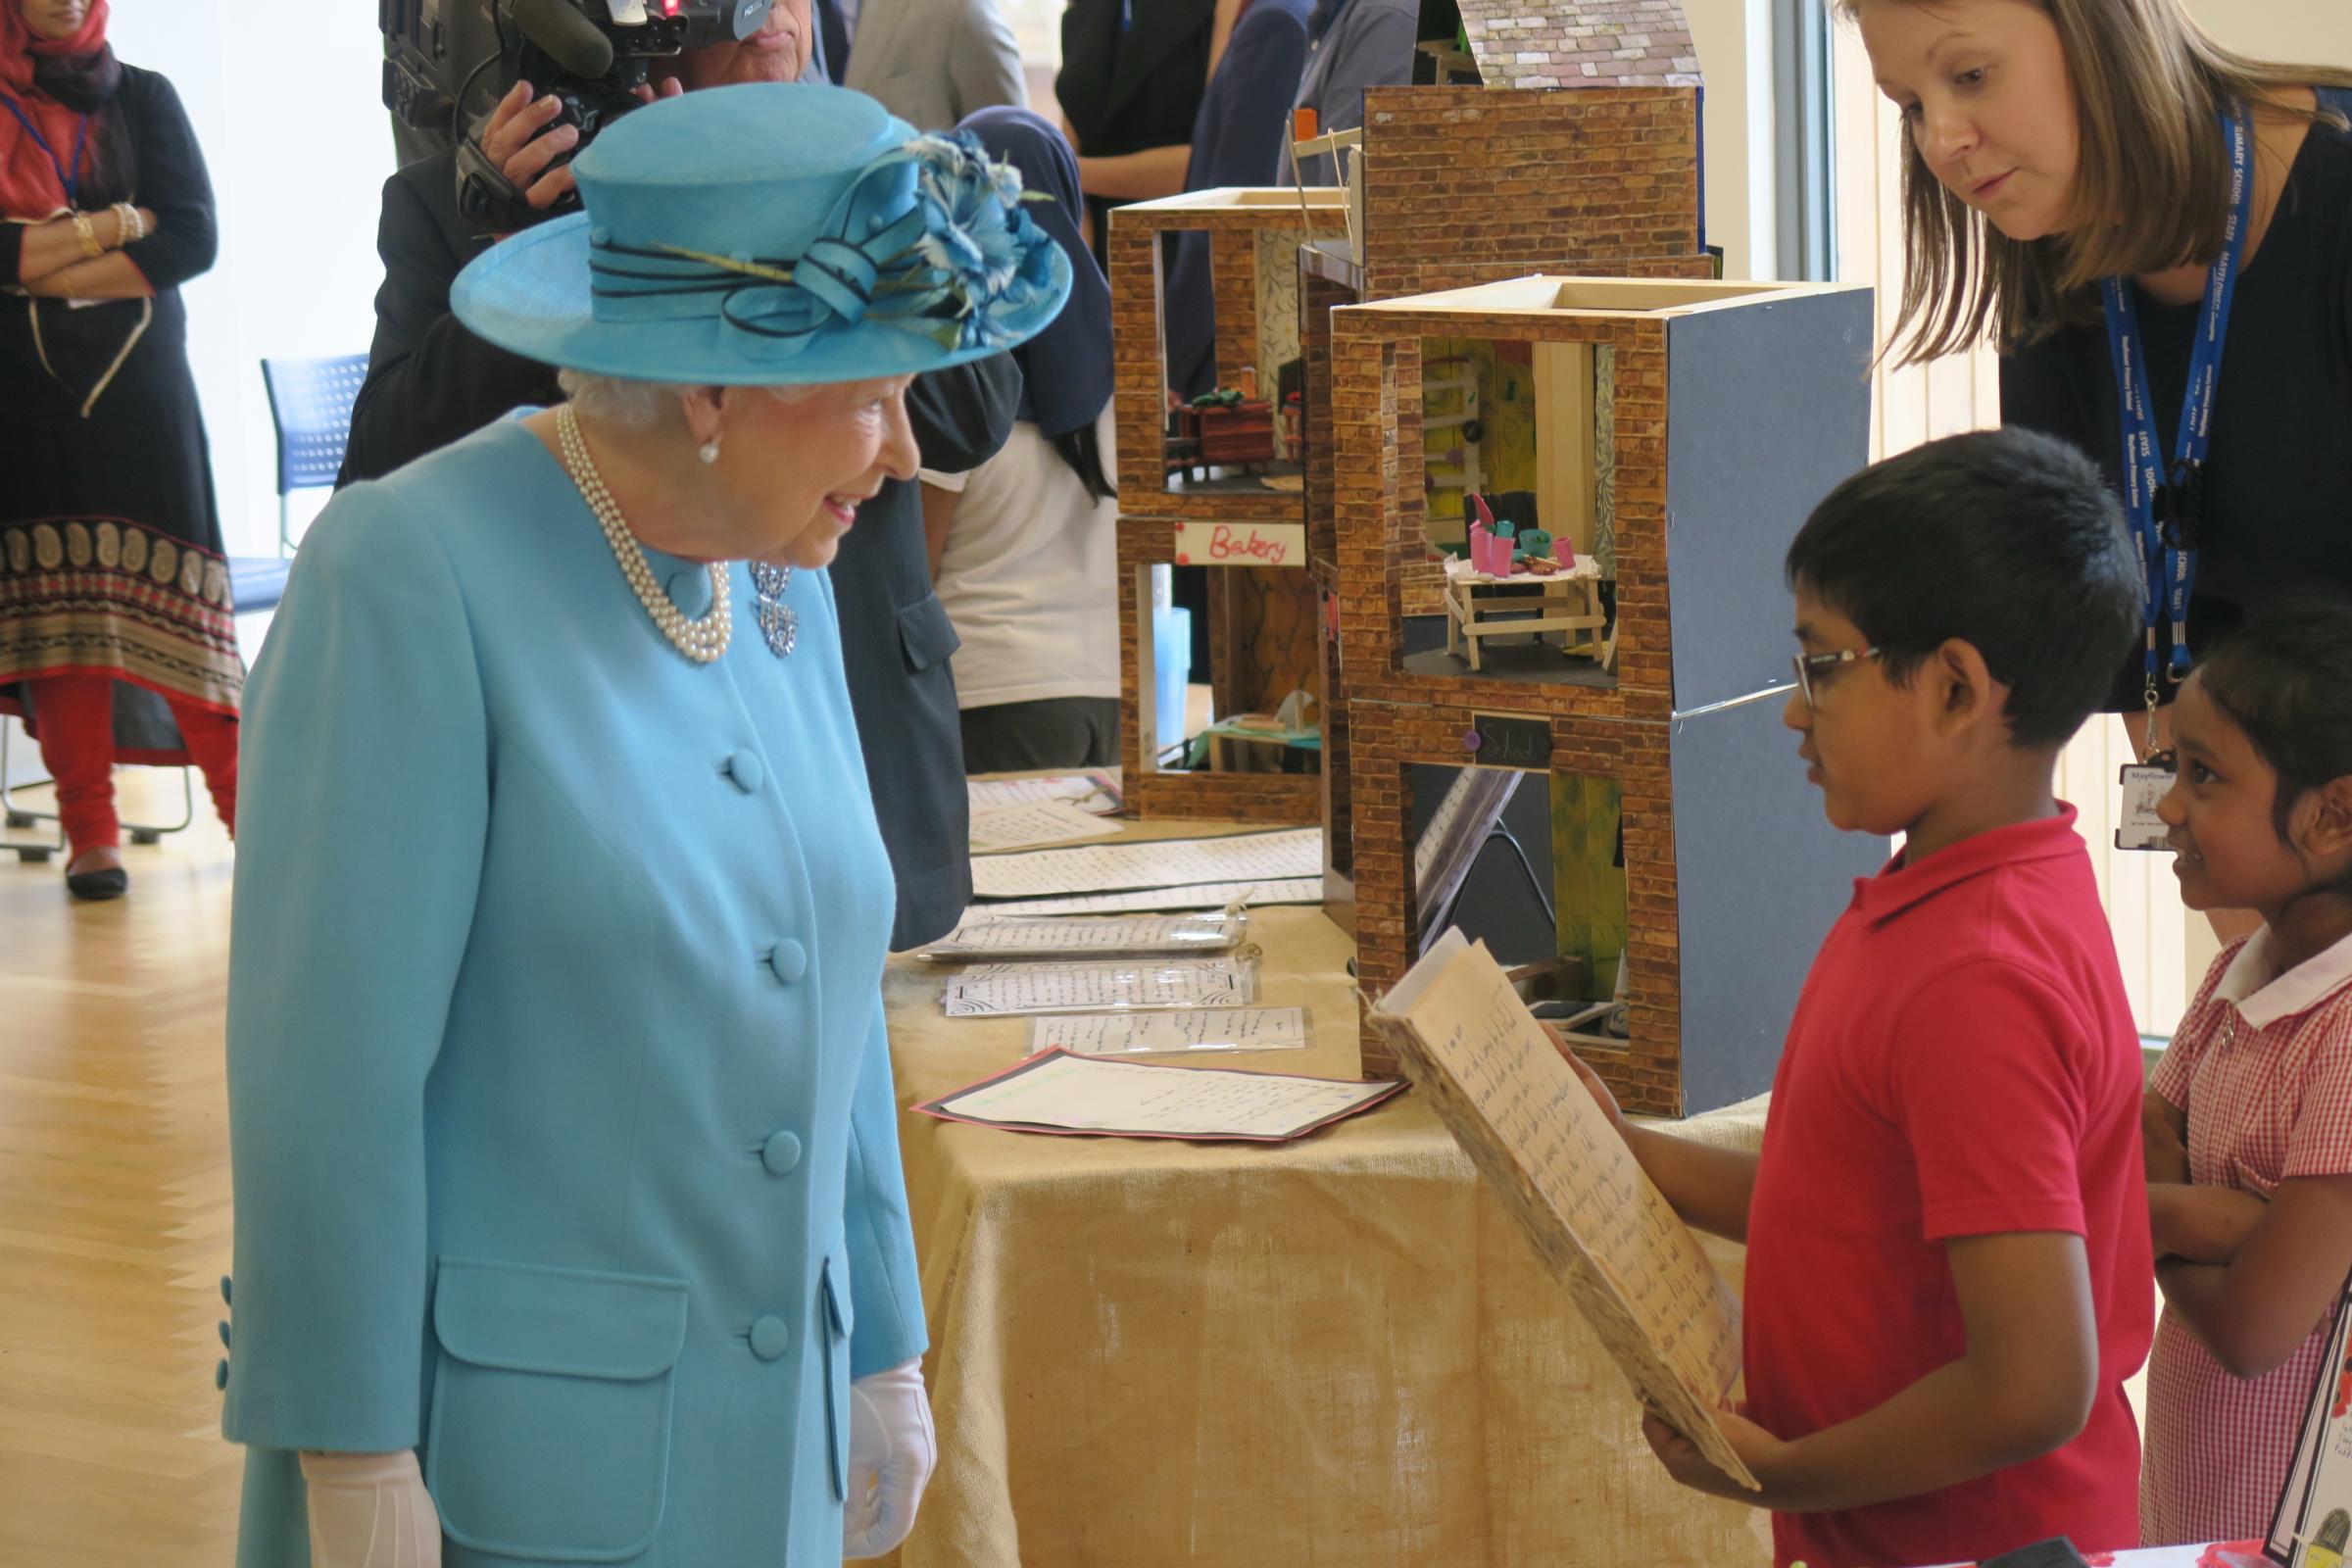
(1025, 547)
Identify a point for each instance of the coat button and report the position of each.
(225, 1345)
(789, 960)
(745, 770)
(690, 591)
(224, 1290)
(781, 1154)
(220, 1375)
(771, 1337)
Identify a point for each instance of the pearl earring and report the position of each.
(709, 451)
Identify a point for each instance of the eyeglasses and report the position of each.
(1807, 665)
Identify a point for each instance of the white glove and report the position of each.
(892, 1452)
(371, 1510)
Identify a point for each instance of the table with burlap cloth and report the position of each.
(1332, 1351)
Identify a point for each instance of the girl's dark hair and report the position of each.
(2285, 677)
(1079, 449)
(89, 84)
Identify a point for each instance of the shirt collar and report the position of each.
(1899, 887)
(2262, 996)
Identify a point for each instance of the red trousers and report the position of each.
(76, 715)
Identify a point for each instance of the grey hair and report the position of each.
(630, 405)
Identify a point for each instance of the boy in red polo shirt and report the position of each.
(1947, 1227)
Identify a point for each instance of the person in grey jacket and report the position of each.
(929, 61)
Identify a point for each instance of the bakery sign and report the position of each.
(1241, 543)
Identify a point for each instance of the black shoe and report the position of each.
(98, 886)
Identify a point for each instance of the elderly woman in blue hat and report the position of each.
(569, 1219)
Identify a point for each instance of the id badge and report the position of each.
(2145, 784)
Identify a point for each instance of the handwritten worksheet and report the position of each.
(1153, 1034)
(1195, 895)
(1021, 827)
(988, 935)
(1155, 863)
(1530, 1126)
(1098, 791)
(989, 989)
(1058, 1093)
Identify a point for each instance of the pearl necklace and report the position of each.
(701, 640)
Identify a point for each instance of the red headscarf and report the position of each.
(28, 184)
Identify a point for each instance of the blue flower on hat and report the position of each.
(988, 257)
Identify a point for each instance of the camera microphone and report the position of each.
(568, 39)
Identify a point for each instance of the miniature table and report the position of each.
(1235, 746)
(1479, 606)
(1336, 1350)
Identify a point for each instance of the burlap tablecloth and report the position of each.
(1336, 1351)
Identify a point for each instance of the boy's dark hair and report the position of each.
(2005, 539)
(2282, 677)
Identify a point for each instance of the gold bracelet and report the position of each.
(87, 234)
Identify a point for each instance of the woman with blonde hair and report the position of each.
(2111, 199)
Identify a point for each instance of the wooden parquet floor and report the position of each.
(115, 1207)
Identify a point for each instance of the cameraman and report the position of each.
(430, 382)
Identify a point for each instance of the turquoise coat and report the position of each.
(561, 1110)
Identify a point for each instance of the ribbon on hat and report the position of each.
(951, 265)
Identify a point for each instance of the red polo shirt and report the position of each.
(1962, 1062)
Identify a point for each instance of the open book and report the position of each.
(1633, 1267)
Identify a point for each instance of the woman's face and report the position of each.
(1982, 86)
(795, 470)
(55, 18)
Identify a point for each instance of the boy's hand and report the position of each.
(1592, 1081)
(1755, 1447)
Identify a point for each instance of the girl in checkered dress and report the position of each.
(2249, 1116)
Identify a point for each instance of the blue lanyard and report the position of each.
(2164, 503)
(70, 179)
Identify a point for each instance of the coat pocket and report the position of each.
(550, 1435)
(840, 1319)
(925, 633)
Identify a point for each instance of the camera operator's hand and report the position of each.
(512, 141)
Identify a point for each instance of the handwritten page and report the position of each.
(1097, 791)
(1155, 863)
(988, 990)
(1021, 827)
(1057, 1093)
(1151, 1034)
(985, 934)
(1198, 896)
(1518, 1109)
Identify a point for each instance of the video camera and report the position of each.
(592, 54)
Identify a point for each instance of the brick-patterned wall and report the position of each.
(1571, 43)
(1465, 185)
(1317, 295)
(1386, 738)
(1233, 278)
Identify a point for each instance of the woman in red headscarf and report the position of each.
(117, 641)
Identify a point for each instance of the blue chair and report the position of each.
(310, 404)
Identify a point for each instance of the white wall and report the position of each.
(298, 147)
(2311, 32)
(1735, 56)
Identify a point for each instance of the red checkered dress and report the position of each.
(2263, 1063)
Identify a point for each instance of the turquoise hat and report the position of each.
(772, 234)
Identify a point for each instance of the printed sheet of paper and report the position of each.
(2315, 1507)
(1518, 1109)
(1198, 896)
(1097, 792)
(1058, 1093)
(985, 934)
(1155, 863)
(988, 990)
(1021, 827)
(1154, 1034)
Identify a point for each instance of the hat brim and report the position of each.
(528, 294)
